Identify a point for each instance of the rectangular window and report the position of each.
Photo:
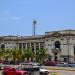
(37, 45)
(28, 45)
(20, 45)
(41, 45)
(32, 46)
(24, 45)
(65, 59)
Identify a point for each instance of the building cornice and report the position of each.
(37, 37)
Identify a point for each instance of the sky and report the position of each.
(16, 16)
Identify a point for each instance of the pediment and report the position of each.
(56, 34)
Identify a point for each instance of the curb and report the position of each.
(66, 69)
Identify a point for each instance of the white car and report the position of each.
(30, 66)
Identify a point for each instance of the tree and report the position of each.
(7, 54)
(41, 54)
(16, 55)
(28, 53)
(1, 54)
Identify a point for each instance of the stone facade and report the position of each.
(59, 44)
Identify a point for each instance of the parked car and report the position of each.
(13, 71)
(31, 66)
(65, 65)
(71, 65)
(62, 65)
(50, 63)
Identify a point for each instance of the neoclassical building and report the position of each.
(60, 45)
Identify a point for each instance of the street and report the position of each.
(61, 72)
(66, 71)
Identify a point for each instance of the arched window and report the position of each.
(57, 44)
(2, 46)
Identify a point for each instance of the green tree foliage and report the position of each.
(41, 54)
(28, 53)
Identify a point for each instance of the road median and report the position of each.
(59, 68)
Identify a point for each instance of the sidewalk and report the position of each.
(59, 68)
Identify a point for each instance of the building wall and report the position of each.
(47, 41)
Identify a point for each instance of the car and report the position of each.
(14, 71)
(31, 66)
(62, 65)
(47, 72)
(71, 65)
(50, 63)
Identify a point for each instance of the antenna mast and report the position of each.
(34, 28)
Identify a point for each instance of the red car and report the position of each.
(50, 63)
(13, 71)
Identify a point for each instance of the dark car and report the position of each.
(62, 65)
(71, 65)
(50, 63)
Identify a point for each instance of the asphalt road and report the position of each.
(60, 72)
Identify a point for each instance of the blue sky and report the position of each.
(16, 16)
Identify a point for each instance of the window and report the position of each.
(32, 46)
(65, 59)
(8, 42)
(20, 46)
(28, 45)
(42, 45)
(49, 45)
(2, 46)
(24, 45)
(37, 45)
(52, 40)
(62, 39)
(57, 44)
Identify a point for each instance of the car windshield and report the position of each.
(18, 68)
(22, 74)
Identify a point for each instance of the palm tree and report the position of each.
(1, 54)
(28, 53)
(16, 55)
(7, 54)
(41, 54)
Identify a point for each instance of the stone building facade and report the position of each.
(59, 44)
